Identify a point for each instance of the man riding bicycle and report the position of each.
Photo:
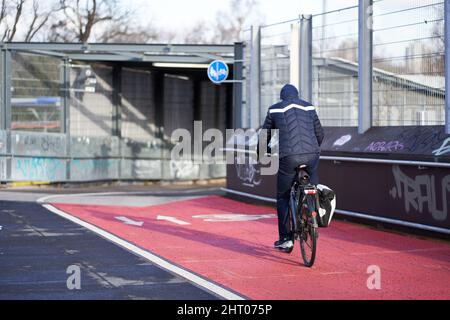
(300, 138)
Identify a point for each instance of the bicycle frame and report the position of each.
(311, 198)
(294, 206)
(304, 224)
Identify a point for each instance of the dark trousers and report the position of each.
(286, 175)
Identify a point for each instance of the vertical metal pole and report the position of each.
(65, 89)
(305, 86)
(365, 43)
(6, 92)
(447, 65)
(237, 86)
(294, 59)
(4, 174)
(6, 111)
(255, 80)
(324, 27)
(117, 116)
(2, 87)
(117, 100)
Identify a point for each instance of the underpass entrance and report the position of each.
(93, 112)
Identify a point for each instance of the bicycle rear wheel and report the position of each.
(308, 239)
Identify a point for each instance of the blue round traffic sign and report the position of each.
(218, 71)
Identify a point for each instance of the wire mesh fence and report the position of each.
(335, 66)
(36, 103)
(246, 99)
(408, 61)
(275, 62)
(91, 85)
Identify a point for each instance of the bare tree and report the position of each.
(14, 10)
(347, 49)
(438, 35)
(198, 33)
(231, 23)
(19, 9)
(38, 21)
(80, 17)
(14, 18)
(125, 33)
(3, 12)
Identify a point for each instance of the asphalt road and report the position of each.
(37, 247)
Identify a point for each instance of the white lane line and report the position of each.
(173, 219)
(124, 193)
(130, 222)
(199, 281)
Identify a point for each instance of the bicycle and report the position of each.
(304, 202)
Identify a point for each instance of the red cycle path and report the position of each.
(239, 255)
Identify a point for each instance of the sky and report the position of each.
(180, 14)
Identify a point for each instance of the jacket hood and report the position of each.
(289, 92)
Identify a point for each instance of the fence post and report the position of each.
(295, 55)
(305, 85)
(117, 112)
(365, 42)
(255, 79)
(447, 65)
(65, 88)
(2, 87)
(237, 86)
(6, 89)
(6, 105)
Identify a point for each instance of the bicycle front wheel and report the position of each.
(308, 241)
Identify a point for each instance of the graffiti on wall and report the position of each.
(421, 193)
(33, 144)
(342, 140)
(88, 169)
(248, 173)
(385, 146)
(3, 175)
(443, 149)
(184, 169)
(39, 169)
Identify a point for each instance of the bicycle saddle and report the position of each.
(303, 176)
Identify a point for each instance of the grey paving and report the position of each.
(37, 247)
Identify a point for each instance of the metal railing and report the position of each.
(408, 61)
(406, 84)
(90, 121)
(335, 77)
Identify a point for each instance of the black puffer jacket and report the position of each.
(300, 131)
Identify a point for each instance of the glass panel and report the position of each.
(36, 102)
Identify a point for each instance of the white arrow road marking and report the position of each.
(1, 228)
(172, 219)
(234, 217)
(130, 222)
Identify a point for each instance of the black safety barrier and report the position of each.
(398, 175)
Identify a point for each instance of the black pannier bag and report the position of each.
(327, 201)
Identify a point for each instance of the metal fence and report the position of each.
(275, 63)
(335, 59)
(90, 121)
(408, 60)
(408, 70)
